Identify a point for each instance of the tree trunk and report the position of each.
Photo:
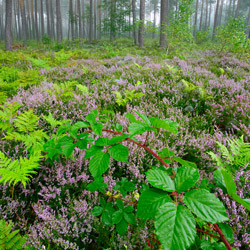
(206, 15)
(195, 17)
(83, 20)
(36, 22)
(141, 26)
(79, 18)
(94, 19)
(99, 15)
(202, 10)
(237, 8)
(164, 13)
(91, 21)
(112, 20)
(32, 19)
(41, 18)
(71, 19)
(134, 22)
(216, 16)
(8, 24)
(58, 21)
(48, 18)
(24, 23)
(221, 11)
(52, 24)
(210, 11)
(155, 8)
(28, 22)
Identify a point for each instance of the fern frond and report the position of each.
(27, 121)
(19, 171)
(217, 159)
(52, 121)
(10, 240)
(83, 89)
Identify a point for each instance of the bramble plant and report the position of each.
(176, 199)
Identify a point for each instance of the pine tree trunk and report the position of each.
(141, 26)
(58, 21)
(216, 16)
(237, 8)
(221, 11)
(94, 19)
(83, 20)
(202, 10)
(24, 23)
(164, 10)
(134, 22)
(210, 12)
(206, 15)
(79, 18)
(112, 20)
(52, 25)
(32, 19)
(42, 18)
(91, 21)
(99, 15)
(155, 8)
(71, 20)
(48, 17)
(196, 15)
(36, 22)
(8, 24)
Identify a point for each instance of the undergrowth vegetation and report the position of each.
(112, 147)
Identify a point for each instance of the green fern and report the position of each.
(237, 154)
(10, 240)
(18, 170)
(7, 113)
(130, 95)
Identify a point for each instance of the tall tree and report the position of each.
(58, 21)
(216, 16)
(71, 20)
(36, 22)
(155, 10)
(112, 20)
(48, 17)
(196, 16)
(24, 23)
(237, 8)
(206, 15)
(52, 23)
(79, 18)
(202, 10)
(221, 12)
(164, 14)
(91, 21)
(141, 26)
(135, 33)
(8, 24)
(41, 18)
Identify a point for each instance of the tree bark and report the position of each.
(155, 9)
(134, 22)
(91, 21)
(41, 18)
(58, 21)
(112, 20)
(71, 19)
(79, 18)
(32, 19)
(195, 17)
(164, 13)
(24, 23)
(206, 15)
(221, 11)
(8, 24)
(216, 16)
(52, 22)
(36, 22)
(202, 10)
(48, 18)
(237, 8)
(141, 26)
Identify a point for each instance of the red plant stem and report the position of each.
(223, 238)
(216, 227)
(211, 235)
(145, 142)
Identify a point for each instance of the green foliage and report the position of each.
(129, 96)
(232, 36)
(10, 240)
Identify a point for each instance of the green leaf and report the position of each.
(243, 202)
(219, 180)
(205, 205)
(137, 128)
(206, 245)
(102, 142)
(175, 226)
(122, 227)
(92, 151)
(79, 125)
(119, 204)
(82, 144)
(144, 118)
(97, 185)
(130, 218)
(164, 124)
(99, 164)
(117, 216)
(160, 179)
(118, 127)
(128, 209)
(97, 128)
(97, 210)
(227, 231)
(229, 181)
(117, 139)
(183, 162)
(124, 186)
(150, 201)
(107, 214)
(166, 153)
(130, 117)
(186, 178)
(119, 153)
(67, 146)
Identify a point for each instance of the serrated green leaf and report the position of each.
(67, 146)
(128, 209)
(97, 210)
(150, 201)
(138, 128)
(184, 162)
(219, 180)
(82, 144)
(130, 117)
(119, 204)
(164, 124)
(119, 153)
(79, 125)
(229, 181)
(99, 164)
(122, 227)
(92, 151)
(97, 185)
(186, 178)
(175, 226)
(97, 128)
(118, 127)
(160, 179)
(205, 205)
(117, 216)
(107, 218)
(117, 139)
(144, 118)
(206, 245)
(130, 218)
(241, 201)
(102, 142)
